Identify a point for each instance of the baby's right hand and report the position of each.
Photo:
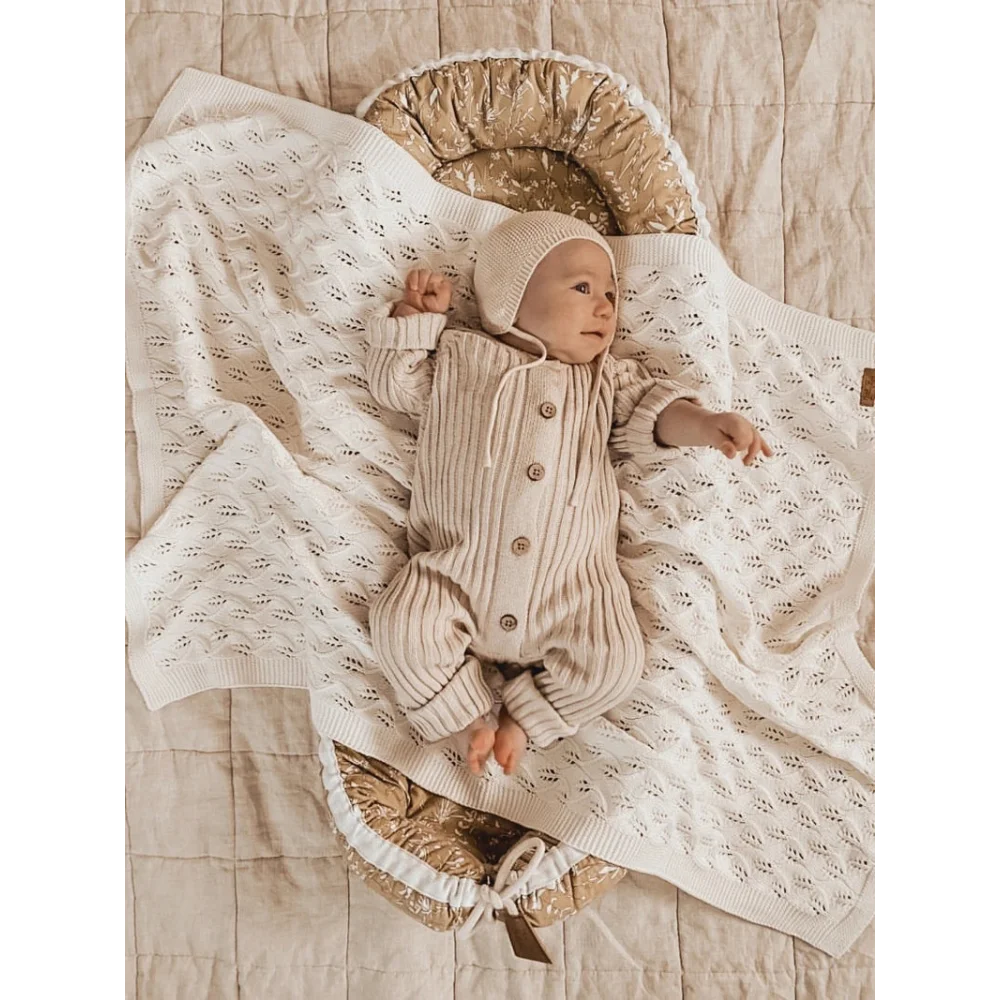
(425, 291)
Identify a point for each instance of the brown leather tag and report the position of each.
(868, 387)
(523, 940)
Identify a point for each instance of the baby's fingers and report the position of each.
(754, 450)
(416, 280)
(758, 447)
(743, 434)
(413, 298)
(765, 448)
(438, 295)
(735, 427)
(439, 283)
(725, 444)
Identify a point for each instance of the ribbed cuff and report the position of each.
(465, 697)
(637, 437)
(419, 332)
(542, 724)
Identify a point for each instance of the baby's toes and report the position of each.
(480, 745)
(513, 759)
(509, 747)
(476, 759)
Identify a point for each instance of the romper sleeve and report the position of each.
(399, 367)
(639, 398)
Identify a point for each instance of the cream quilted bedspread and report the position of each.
(236, 886)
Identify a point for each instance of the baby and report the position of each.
(513, 521)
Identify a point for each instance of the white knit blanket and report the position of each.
(261, 232)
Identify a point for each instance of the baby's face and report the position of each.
(570, 303)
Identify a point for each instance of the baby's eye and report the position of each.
(611, 297)
(585, 285)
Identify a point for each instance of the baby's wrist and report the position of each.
(402, 309)
(681, 424)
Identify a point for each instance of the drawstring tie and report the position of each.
(588, 437)
(500, 896)
(495, 406)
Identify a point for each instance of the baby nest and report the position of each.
(530, 130)
(542, 130)
(430, 856)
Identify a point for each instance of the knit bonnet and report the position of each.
(510, 254)
(506, 260)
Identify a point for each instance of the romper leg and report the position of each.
(421, 629)
(578, 683)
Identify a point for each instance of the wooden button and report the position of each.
(536, 472)
(508, 623)
(548, 410)
(520, 546)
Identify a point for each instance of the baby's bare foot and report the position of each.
(480, 735)
(510, 743)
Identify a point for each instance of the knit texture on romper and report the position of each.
(504, 568)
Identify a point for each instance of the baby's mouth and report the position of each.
(594, 333)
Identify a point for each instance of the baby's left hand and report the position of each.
(731, 434)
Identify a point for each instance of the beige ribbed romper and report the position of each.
(504, 568)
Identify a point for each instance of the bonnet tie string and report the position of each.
(588, 435)
(495, 405)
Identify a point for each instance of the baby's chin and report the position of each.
(587, 348)
(575, 356)
(580, 349)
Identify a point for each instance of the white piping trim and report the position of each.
(454, 890)
(632, 95)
